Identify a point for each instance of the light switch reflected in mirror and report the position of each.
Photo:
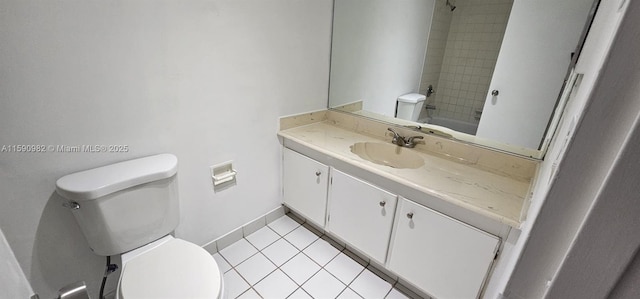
(493, 69)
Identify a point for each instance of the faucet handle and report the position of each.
(397, 138)
(395, 135)
(410, 140)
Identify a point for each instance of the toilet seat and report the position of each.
(173, 269)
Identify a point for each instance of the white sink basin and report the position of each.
(387, 154)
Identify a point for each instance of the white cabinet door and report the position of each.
(305, 186)
(361, 214)
(444, 257)
(533, 60)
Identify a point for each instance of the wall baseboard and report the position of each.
(245, 230)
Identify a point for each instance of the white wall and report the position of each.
(205, 80)
(13, 283)
(627, 286)
(530, 69)
(378, 51)
(589, 224)
(591, 61)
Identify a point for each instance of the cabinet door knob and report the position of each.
(410, 215)
(383, 203)
(318, 173)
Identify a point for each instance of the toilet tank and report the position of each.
(122, 206)
(410, 105)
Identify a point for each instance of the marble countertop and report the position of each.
(495, 196)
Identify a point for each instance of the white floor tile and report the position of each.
(344, 268)
(284, 225)
(370, 286)
(301, 237)
(250, 294)
(349, 294)
(323, 285)
(321, 252)
(300, 294)
(234, 284)
(300, 268)
(395, 294)
(222, 264)
(280, 252)
(238, 252)
(255, 268)
(276, 285)
(262, 237)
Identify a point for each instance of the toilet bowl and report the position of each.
(169, 268)
(131, 208)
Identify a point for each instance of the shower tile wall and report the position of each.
(436, 45)
(475, 35)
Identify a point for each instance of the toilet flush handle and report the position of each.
(72, 205)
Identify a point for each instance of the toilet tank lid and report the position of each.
(412, 98)
(94, 183)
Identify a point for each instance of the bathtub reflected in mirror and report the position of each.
(454, 124)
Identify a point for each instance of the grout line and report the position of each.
(389, 292)
(249, 289)
(277, 267)
(251, 286)
(261, 279)
(312, 275)
(243, 278)
(367, 263)
(299, 252)
(279, 237)
(354, 279)
(353, 291)
(306, 292)
(342, 292)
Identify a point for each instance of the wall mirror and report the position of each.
(488, 72)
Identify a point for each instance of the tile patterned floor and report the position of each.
(287, 260)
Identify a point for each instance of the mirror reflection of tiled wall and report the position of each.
(473, 40)
(438, 34)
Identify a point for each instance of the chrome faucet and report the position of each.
(399, 140)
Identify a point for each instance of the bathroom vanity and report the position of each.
(435, 215)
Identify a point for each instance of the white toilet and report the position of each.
(130, 208)
(410, 105)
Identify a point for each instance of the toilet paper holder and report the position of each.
(223, 175)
